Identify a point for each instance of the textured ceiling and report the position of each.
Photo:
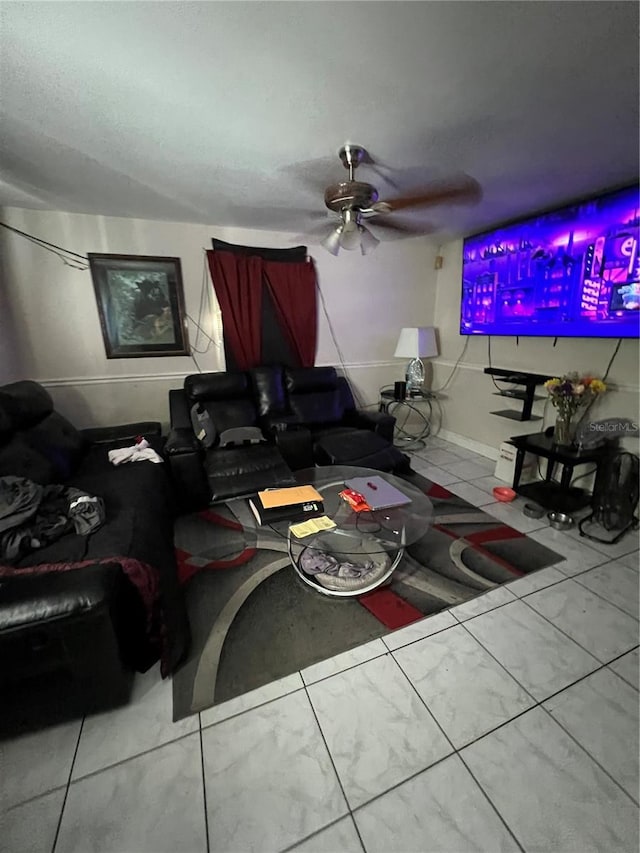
(232, 113)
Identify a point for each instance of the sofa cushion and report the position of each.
(19, 459)
(59, 442)
(269, 390)
(231, 414)
(200, 387)
(307, 379)
(5, 426)
(25, 403)
(70, 548)
(138, 507)
(360, 448)
(321, 407)
(236, 472)
(226, 397)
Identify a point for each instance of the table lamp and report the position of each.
(416, 344)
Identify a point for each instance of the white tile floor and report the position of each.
(509, 723)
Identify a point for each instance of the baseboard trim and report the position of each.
(469, 443)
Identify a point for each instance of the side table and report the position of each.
(405, 435)
(549, 494)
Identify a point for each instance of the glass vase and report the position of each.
(563, 432)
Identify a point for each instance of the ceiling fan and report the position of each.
(356, 202)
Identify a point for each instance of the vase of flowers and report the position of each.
(568, 395)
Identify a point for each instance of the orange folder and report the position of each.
(271, 498)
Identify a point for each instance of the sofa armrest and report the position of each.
(181, 441)
(185, 458)
(123, 432)
(273, 424)
(179, 409)
(296, 447)
(378, 422)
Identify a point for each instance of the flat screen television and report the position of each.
(571, 272)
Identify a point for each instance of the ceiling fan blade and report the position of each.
(407, 228)
(382, 174)
(381, 169)
(278, 218)
(459, 191)
(319, 231)
(321, 216)
(312, 175)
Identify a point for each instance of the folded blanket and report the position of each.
(139, 452)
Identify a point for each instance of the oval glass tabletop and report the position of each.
(393, 527)
(363, 549)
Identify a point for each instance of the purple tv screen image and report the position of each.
(572, 272)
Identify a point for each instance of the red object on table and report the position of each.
(355, 500)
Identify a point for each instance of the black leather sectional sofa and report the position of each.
(73, 624)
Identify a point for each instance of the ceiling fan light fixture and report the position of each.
(367, 241)
(332, 241)
(350, 236)
(350, 240)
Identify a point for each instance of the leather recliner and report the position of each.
(236, 458)
(307, 417)
(341, 434)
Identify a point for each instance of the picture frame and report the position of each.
(140, 302)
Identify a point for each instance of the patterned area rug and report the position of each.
(254, 621)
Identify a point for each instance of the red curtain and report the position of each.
(237, 281)
(293, 291)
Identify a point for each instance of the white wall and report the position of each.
(469, 401)
(10, 350)
(49, 314)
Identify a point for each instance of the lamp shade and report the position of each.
(417, 342)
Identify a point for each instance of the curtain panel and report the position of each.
(237, 281)
(293, 291)
(240, 275)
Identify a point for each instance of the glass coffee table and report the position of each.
(364, 548)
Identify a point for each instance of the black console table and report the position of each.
(549, 494)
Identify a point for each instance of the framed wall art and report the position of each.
(141, 305)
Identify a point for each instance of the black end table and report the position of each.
(549, 494)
